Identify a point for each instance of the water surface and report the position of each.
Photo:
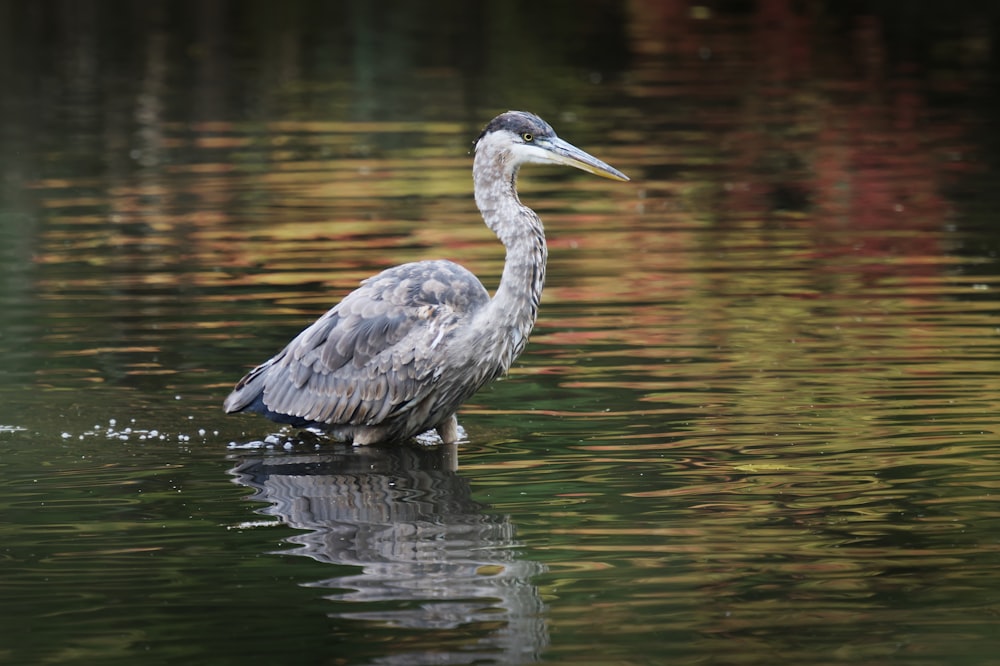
(756, 423)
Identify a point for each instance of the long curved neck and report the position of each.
(514, 307)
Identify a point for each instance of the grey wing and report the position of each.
(375, 354)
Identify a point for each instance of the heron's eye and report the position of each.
(528, 137)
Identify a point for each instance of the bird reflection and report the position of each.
(431, 558)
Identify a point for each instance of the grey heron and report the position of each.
(399, 355)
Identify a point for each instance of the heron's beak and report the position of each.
(559, 151)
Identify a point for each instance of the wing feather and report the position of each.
(374, 355)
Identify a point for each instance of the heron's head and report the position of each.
(525, 138)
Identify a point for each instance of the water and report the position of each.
(756, 423)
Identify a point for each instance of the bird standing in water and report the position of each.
(402, 352)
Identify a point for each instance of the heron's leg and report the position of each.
(447, 430)
(449, 457)
(368, 435)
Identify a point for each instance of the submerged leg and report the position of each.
(368, 435)
(447, 430)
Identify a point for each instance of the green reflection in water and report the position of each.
(756, 422)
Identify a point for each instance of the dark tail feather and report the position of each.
(248, 391)
(257, 406)
(248, 396)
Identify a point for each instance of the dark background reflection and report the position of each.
(756, 422)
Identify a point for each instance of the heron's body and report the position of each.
(401, 353)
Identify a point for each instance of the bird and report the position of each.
(399, 354)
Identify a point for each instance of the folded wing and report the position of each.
(376, 354)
